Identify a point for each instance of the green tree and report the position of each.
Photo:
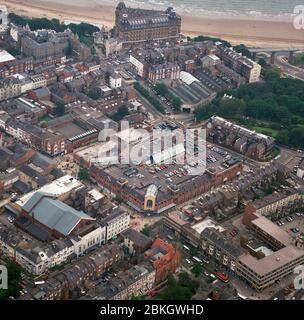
(175, 293)
(272, 75)
(262, 62)
(299, 59)
(176, 103)
(230, 107)
(83, 174)
(155, 103)
(60, 109)
(14, 279)
(117, 200)
(83, 30)
(201, 113)
(161, 89)
(197, 269)
(93, 94)
(206, 38)
(184, 279)
(183, 289)
(120, 113)
(138, 298)
(145, 230)
(241, 48)
(296, 136)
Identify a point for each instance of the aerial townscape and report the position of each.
(76, 227)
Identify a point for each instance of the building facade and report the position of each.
(45, 44)
(9, 88)
(116, 223)
(140, 25)
(244, 66)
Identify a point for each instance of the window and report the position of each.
(149, 204)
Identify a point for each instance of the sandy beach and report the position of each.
(252, 32)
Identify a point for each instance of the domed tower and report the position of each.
(150, 198)
(120, 12)
(169, 10)
(120, 9)
(121, 6)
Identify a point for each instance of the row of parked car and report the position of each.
(294, 230)
(289, 218)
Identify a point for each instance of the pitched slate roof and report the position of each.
(53, 213)
(42, 161)
(30, 172)
(42, 92)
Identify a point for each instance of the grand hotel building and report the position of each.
(134, 25)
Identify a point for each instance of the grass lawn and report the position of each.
(268, 131)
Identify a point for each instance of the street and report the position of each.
(281, 61)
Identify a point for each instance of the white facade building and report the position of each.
(115, 80)
(83, 242)
(38, 81)
(116, 223)
(33, 262)
(139, 66)
(300, 171)
(39, 259)
(3, 15)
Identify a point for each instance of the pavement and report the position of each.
(67, 165)
(290, 157)
(138, 221)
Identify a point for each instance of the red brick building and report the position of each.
(41, 94)
(16, 66)
(165, 258)
(131, 94)
(166, 197)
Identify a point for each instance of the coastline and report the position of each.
(252, 32)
